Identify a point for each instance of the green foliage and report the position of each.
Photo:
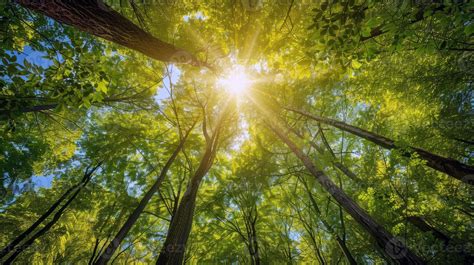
(402, 69)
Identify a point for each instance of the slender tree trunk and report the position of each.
(347, 253)
(115, 243)
(425, 227)
(95, 17)
(180, 227)
(53, 221)
(250, 221)
(256, 254)
(342, 243)
(11, 246)
(395, 249)
(417, 221)
(174, 246)
(335, 163)
(454, 168)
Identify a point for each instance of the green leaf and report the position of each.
(102, 87)
(355, 64)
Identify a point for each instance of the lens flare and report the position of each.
(236, 82)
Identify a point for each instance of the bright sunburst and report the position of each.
(236, 82)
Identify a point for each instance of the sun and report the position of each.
(236, 82)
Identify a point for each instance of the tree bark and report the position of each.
(11, 246)
(115, 243)
(57, 215)
(395, 249)
(96, 18)
(180, 227)
(174, 246)
(454, 168)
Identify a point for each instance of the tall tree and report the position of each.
(11, 246)
(115, 243)
(449, 166)
(382, 237)
(174, 246)
(15, 251)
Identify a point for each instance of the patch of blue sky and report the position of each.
(243, 136)
(163, 91)
(42, 181)
(32, 56)
(294, 235)
(197, 15)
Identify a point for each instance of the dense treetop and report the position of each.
(208, 131)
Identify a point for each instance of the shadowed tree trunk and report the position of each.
(253, 231)
(417, 221)
(11, 246)
(115, 243)
(17, 251)
(425, 227)
(174, 246)
(394, 248)
(180, 227)
(454, 168)
(340, 242)
(95, 17)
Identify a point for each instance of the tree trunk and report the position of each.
(55, 219)
(174, 246)
(180, 227)
(345, 250)
(417, 221)
(425, 227)
(95, 17)
(335, 163)
(454, 168)
(342, 243)
(115, 243)
(256, 254)
(10, 247)
(395, 249)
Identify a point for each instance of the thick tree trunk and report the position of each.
(454, 168)
(10, 247)
(115, 243)
(395, 249)
(53, 221)
(95, 17)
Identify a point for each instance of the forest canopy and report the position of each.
(237, 132)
